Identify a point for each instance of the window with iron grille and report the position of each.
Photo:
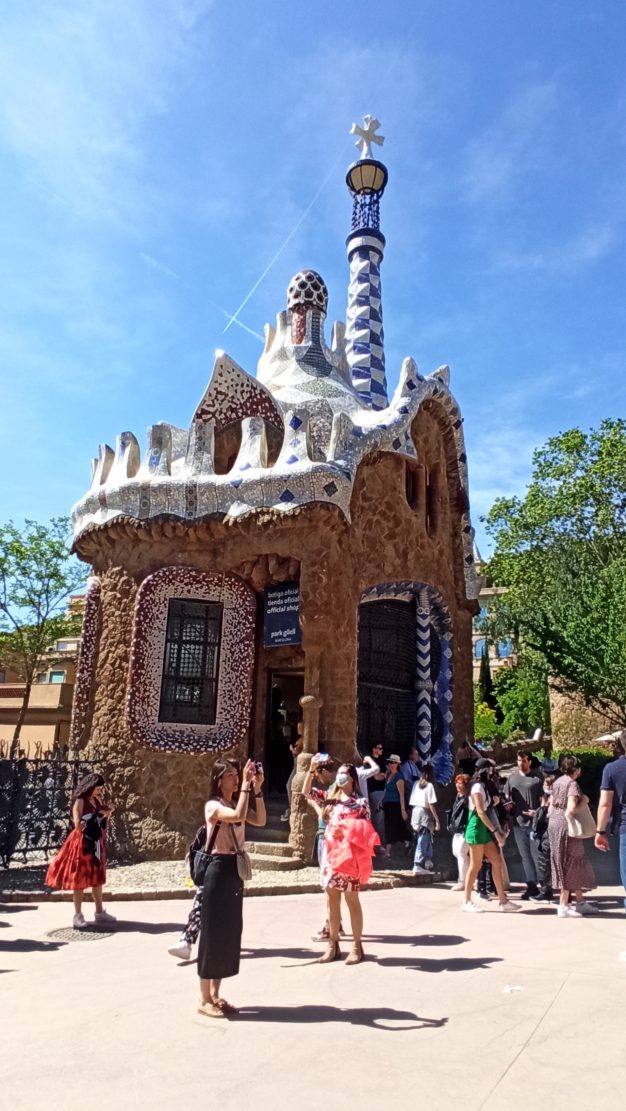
(191, 662)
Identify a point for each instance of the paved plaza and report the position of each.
(477, 1011)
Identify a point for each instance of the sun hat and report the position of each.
(393, 759)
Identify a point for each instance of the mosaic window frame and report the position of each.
(236, 667)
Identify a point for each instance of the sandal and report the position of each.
(226, 1007)
(211, 1010)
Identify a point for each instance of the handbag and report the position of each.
(199, 858)
(581, 824)
(244, 864)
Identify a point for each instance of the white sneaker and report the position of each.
(429, 866)
(286, 816)
(419, 871)
(182, 951)
(457, 887)
(78, 922)
(104, 917)
(472, 908)
(586, 908)
(567, 911)
(509, 907)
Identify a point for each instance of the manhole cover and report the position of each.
(70, 934)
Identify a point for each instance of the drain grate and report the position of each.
(70, 934)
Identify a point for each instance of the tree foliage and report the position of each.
(485, 724)
(561, 551)
(37, 575)
(521, 694)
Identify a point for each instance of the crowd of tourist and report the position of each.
(366, 807)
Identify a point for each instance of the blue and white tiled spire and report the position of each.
(365, 350)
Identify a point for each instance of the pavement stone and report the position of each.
(169, 879)
(485, 1012)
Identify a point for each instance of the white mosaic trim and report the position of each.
(236, 661)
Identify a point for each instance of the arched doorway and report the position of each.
(404, 673)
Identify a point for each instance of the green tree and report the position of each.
(37, 575)
(561, 551)
(485, 724)
(521, 693)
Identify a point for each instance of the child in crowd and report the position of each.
(424, 820)
(318, 780)
(540, 835)
(457, 821)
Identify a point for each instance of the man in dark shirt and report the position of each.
(525, 788)
(613, 789)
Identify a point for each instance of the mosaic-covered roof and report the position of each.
(328, 405)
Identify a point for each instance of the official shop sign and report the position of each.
(281, 623)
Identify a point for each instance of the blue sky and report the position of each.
(155, 156)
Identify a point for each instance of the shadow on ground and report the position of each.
(378, 1018)
(27, 945)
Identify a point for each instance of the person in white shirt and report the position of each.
(484, 838)
(365, 771)
(424, 820)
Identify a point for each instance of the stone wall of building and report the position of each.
(159, 796)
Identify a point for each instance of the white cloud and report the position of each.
(79, 81)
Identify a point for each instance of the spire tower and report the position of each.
(365, 352)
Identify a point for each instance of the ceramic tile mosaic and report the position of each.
(236, 665)
(364, 322)
(87, 660)
(433, 671)
(338, 394)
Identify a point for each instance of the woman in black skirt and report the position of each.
(222, 897)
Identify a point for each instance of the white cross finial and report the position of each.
(367, 135)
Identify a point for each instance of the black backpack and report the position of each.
(458, 815)
(199, 854)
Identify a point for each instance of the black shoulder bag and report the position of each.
(199, 857)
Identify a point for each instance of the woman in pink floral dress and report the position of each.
(350, 842)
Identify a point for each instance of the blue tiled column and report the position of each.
(364, 321)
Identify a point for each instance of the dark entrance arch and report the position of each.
(404, 673)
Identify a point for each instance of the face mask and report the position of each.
(342, 779)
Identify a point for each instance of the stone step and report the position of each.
(269, 848)
(272, 836)
(262, 862)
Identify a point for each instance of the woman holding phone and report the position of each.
(225, 813)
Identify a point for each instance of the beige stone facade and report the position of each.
(305, 475)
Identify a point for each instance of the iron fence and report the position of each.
(35, 803)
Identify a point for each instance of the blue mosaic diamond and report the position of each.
(357, 432)
(403, 409)
(295, 423)
(287, 496)
(245, 467)
(411, 385)
(330, 489)
(237, 483)
(292, 459)
(397, 443)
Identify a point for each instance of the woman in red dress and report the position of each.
(81, 861)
